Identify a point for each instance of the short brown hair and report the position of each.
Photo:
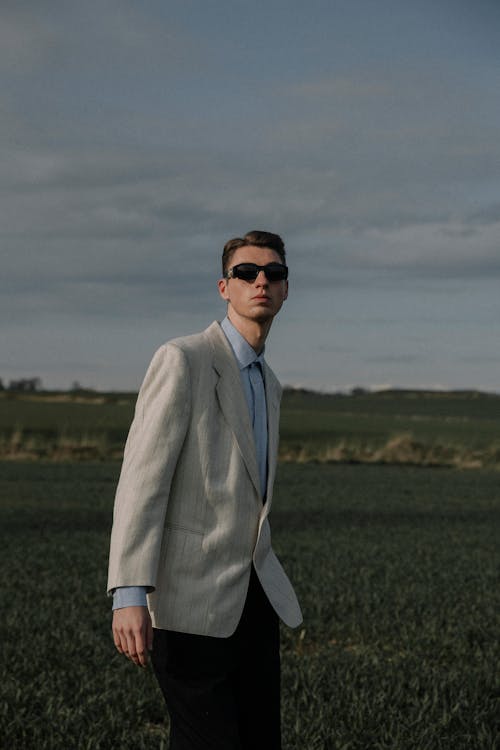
(257, 238)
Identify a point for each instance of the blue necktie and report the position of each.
(259, 421)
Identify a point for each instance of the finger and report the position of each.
(124, 642)
(118, 641)
(117, 635)
(131, 649)
(136, 646)
(141, 650)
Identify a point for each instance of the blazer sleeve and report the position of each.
(151, 452)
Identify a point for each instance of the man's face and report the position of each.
(257, 300)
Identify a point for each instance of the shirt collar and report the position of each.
(244, 353)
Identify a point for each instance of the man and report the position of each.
(194, 577)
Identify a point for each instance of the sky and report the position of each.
(136, 138)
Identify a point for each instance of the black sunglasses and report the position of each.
(250, 271)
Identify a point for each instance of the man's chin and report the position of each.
(263, 316)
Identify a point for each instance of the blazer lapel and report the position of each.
(232, 399)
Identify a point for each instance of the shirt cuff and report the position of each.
(129, 596)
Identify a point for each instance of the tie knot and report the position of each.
(255, 373)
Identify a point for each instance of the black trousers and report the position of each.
(224, 693)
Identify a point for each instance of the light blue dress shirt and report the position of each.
(251, 367)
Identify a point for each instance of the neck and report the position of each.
(253, 331)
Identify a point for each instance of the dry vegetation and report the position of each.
(457, 430)
(401, 449)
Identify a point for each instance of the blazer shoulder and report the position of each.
(205, 346)
(198, 343)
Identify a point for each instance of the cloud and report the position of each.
(84, 232)
(26, 39)
(485, 216)
(138, 140)
(394, 359)
(116, 33)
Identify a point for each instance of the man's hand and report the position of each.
(133, 633)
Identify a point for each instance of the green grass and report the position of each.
(44, 427)
(396, 568)
(422, 428)
(445, 424)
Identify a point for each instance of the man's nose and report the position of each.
(261, 278)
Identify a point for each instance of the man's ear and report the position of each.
(285, 296)
(223, 288)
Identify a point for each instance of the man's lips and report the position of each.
(262, 297)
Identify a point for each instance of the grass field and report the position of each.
(396, 568)
(403, 427)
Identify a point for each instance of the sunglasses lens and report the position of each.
(276, 272)
(246, 271)
(250, 271)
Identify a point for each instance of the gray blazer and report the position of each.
(189, 518)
